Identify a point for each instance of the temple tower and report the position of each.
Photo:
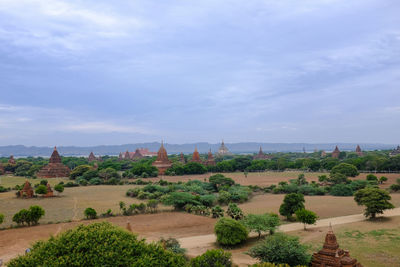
(91, 157)
(336, 153)
(11, 160)
(182, 159)
(196, 156)
(162, 162)
(359, 151)
(127, 156)
(210, 159)
(55, 168)
(137, 155)
(223, 150)
(26, 191)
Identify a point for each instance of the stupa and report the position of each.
(92, 157)
(395, 152)
(359, 151)
(127, 155)
(196, 156)
(223, 150)
(55, 168)
(137, 155)
(49, 191)
(260, 155)
(336, 153)
(162, 162)
(182, 159)
(11, 160)
(120, 156)
(210, 159)
(332, 255)
(26, 191)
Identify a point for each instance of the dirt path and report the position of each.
(196, 245)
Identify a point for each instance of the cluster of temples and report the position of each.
(27, 191)
(138, 154)
(395, 152)
(55, 168)
(331, 255)
(262, 155)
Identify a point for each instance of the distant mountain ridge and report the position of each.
(203, 147)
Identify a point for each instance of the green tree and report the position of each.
(41, 190)
(230, 232)
(59, 188)
(383, 179)
(21, 217)
(301, 179)
(376, 201)
(90, 213)
(291, 203)
(346, 169)
(179, 200)
(306, 217)
(371, 177)
(34, 214)
(103, 245)
(1, 218)
(234, 211)
(212, 258)
(259, 223)
(281, 249)
(338, 178)
(109, 173)
(220, 181)
(194, 168)
(79, 171)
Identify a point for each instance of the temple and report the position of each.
(55, 168)
(331, 255)
(196, 156)
(49, 191)
(359, 151)
(395, 152)
(91, 157)
(223, 150)
(27, 191)
(336, 153)
(323, 153)
(127, 156)
(137, 155)
(162, 162)
(261, 155)
(182, 159)
(120, 156)
(210, 159)
(11, 160)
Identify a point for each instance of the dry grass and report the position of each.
(11, 181)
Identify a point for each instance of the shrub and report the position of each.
(103, 245)
(194, 168)
(90, 213)
(208, 200)
(1, 218)
(395, 187)
(281, 249)
(338, 178)
(234, 212)
(376, 201)
(21, 217)
(230, 232)
(346, 169)
(219, 180)
(341, 190)
(212, 258)
(371, 177)
(261, 223)
(383, 179)
(152, 205)
(59, 188)
(41, 190)
(217, 212)
(172, 245)
(79, 171)
(224, 197)
(291, 203)
(306, 217)
(95, 181)
(180, 199)
(31, 216)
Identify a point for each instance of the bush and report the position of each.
(90, 213)
(230, 232)
(59, 188)
(395, 187)
(346, 169)
(306, 217)
(371, 177)
(103, 245)
(234, 212)
(341, 190)
(261, 223)
(194, 168)
(383, 179)
(31, 216)
(1, 218)
(281, 249)
(217, 212)
(172, 245)
(291, 203)
(41, 190)
(180, 199)
(219, 180)
(79, 171)
(212, 258)
(224, 197)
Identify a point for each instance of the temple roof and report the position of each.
(91, 157)
(162, 155)
(196, 155)
(55, 157)
(358, 148)
(336, 149)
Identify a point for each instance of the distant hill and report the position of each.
(238, 148)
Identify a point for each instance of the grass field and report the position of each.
(11, 181)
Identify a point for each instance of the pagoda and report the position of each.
(11, 160)
(336, 153)
(260, 155)
(162, 162)
(196, 156)
(26, 191)
(323, 153)
(120, 156)
(137, 155)
(223, 150)
(395, 152)
(92, 157)
(55, 168)
(210, 159)
(332, 255)
(127, 155)
(182, 159)
(359, 151)
(49, 191)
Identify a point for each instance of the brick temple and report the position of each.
(49, 191)
(92, 157)
(210, 159)
(182, 159)
(331, 255)
(27, 190)
(55, 168)
(11, 160)
(359, 151)
(196, 156)
(223, 150)
(162, 162)
(336, 153)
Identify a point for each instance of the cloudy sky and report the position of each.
(114, 72)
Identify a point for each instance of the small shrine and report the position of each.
(182, 159)
(210, 159)
(92, 157)
(332, 255)
(359, 151)
(196, 156)
(49, 191)
(260, 155)
(137, 155)
(127, 156)
(336, 153)
(55, 168)
(162, 162)
(11, 160)
(27, 190)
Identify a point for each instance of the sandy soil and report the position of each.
(149, 226)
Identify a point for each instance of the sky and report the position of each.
(100, 72)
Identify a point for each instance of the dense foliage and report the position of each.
(306, 217)
(212, 258)
(30, 216)
(291, 203)
(230, 232)
(259, 223)
(103, 245)
(281, 248)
